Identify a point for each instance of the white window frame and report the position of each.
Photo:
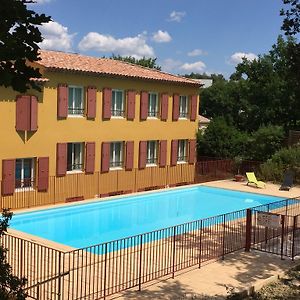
(113, 164)
(151, 160)
(75, 170)
(80, 114)
(154, 114)
(32, 175)
(183, 110)
(114, 114)
(182, 151)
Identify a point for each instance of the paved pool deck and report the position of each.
(239, 271)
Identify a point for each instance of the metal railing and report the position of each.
(97, 271)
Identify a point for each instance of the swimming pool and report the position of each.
(93, 223)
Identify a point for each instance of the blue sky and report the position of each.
(185, 35)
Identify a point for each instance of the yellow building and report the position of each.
(99, 127)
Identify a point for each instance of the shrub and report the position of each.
(286, 158)
(221, 140)
(264, 142)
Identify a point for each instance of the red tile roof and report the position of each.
(55, 60)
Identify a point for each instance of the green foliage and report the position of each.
(145, 62)
(261, 92)
(286, 158)
(197, 76)
(11, 287)
(221, 140)
(19, 36)
(291, 22)
(264, 142)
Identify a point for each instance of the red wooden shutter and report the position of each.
(130, 105)
(144, 105)
(61, 159)
(129, 155)
(105, 157)
(107, 95)
(90, 158)
(91, 95)
(174, 152)
(163, 153)
(43, 173)
(33, 113)
(164, 107)
(8, 176)
(193, 107)
(192, 151)
(62, 100)
(175, 107)
(142, 154)
(23, 113)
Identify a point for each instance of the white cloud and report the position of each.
(162, 37)
(176, 16)
(237, 57)
(56, 37)
(197, 66)
(197, 52)
(129, 46)
(169, 64)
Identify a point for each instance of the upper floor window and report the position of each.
(116, 155)
(182, 151)
(183, 107)
(75, 101)
(25, 172)
(75, 157)
(117, 103)
(151, 153)
(153, 110)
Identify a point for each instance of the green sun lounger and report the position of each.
(252, 180)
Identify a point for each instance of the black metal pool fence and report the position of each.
(98, 271)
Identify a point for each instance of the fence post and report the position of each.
(174, 250)
(59, 277)
(141, 257)
(286, 206)
(200, 244)
(223, 242)
(248, 229)
(282, 235)
(105, 273)
(293, 241)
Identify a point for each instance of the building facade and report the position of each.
(98, 127)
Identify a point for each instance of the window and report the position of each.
(117, 103)
(116, 155)
(151, 152)
(75, 101)
(153, 105)
(182, 151)
(183, 107)
(74, 157)
(25, 172)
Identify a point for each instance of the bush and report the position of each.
(287, 158)
(221, 140)
(264, 142)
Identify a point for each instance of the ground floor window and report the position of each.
(116, 155)
(182, 151)
(25, 172)
(151, 152)
(75, 157)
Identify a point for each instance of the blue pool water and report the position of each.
(94, 223)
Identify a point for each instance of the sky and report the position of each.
(185, 36)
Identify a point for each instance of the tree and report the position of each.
(19, 38)
(11, 287)
(291, 22)
(145, 62)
